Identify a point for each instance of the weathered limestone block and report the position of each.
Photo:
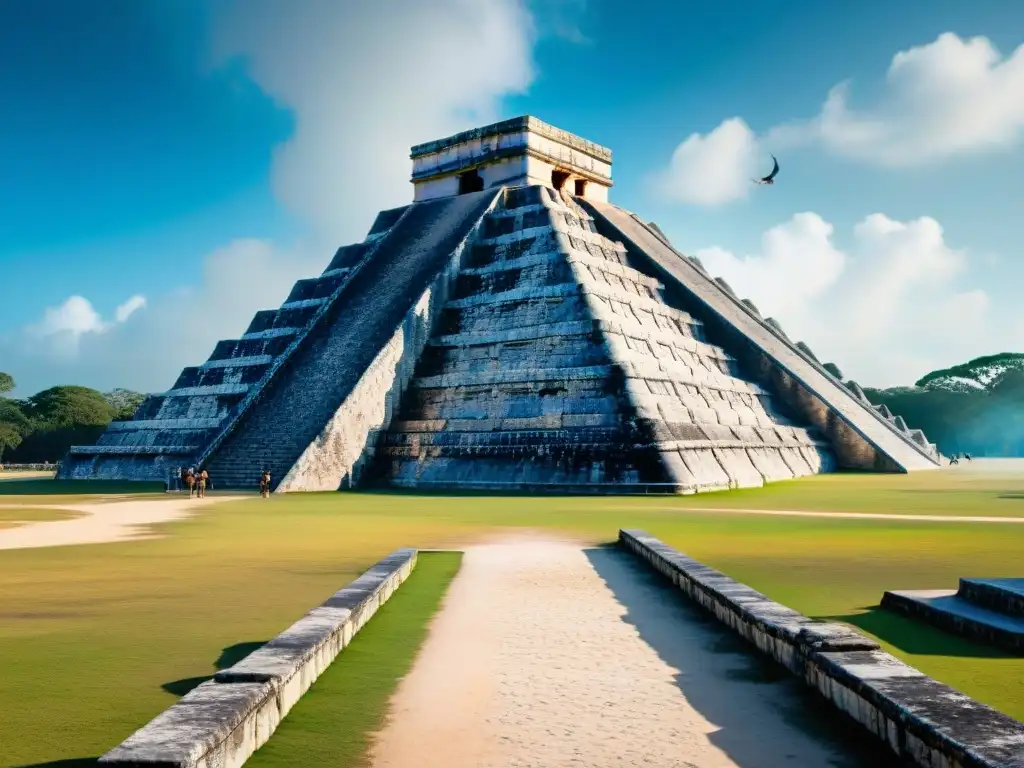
(918, 717)
(211, 726)
(834, 370)
(794, 458)
(698, 264)
(726, 287)
(752, 307)
(855, 388)
(770, 464)
(806, 350)
(777, 327)
(705, 470)
(742, 473)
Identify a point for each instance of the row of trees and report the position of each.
(42, 427)
(984, 422)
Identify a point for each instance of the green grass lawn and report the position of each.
(11, 517)
(333, 722)
(98, 639)
(47, 491)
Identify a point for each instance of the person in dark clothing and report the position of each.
(265, 484)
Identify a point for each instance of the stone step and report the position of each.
(132, 450)
(945, 609)
(1002, 595)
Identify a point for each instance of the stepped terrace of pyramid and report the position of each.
(508, 330)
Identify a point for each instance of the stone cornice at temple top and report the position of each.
(526, 123)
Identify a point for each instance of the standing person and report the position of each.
(265, 484)
(203, 479)
(190, 481)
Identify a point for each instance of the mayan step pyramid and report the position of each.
(508, 330)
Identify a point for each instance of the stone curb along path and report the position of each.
(221, 723)
(917, 717)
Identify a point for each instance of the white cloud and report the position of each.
(75, 317)
(887, 309)
(63, 329)
(129, 308)
(365, 82)
(780, 269)
(179, 328)
(949, 97)
(712, 169)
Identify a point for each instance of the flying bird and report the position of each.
(770, 178)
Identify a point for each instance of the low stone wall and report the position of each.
(918, 718)
(222, 722)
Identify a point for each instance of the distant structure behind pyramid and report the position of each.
(509, 330)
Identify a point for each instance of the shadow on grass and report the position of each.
(228, 658)
(913, 636)
(749, 699)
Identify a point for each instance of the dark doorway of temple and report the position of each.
(470, 181)
(558, 179)
(581, 187)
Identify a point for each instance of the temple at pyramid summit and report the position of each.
(509, 330)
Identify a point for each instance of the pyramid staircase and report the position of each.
(556, 365)
(176, 427)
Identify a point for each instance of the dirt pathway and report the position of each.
(103, 521)
(549, 655)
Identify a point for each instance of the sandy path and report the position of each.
(546, 654)
(104, 521)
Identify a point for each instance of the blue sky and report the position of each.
(204, 155)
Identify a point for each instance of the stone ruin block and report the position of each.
(806, 350)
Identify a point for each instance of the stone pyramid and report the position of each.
(509, 330)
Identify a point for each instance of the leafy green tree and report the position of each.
(124, 402)
(6, 382)
(68, 406)
(59, 418)
(14, 425)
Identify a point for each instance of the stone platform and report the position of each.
(986, 610)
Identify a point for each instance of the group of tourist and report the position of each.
(197, 480)
(189, 477)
